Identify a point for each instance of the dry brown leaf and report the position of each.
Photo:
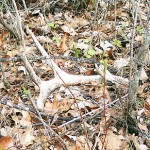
(110, 17)
(138, 143)
(121, 62)
(6, 142)
(63, 46)
(73, 113)
(65, 105)
(89, 72)
(114, 142)
(15, 119)
(82, 21)
(143, 127)
(81, 143)
(69, 30)
(1, 40)
(12, 53)
(52, 107)
(143, 76)
(26, 119)
(139, 38)
(43, 39)
(120, 3)
(147, 107)
(118, 11)
(26, 136)
(2, 85)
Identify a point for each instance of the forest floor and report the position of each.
(92, 116)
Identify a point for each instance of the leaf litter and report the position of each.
(70, 34)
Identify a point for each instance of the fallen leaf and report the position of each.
(69, 30)
(139, 38)
(118, 11)
(147, 107)
(89, 72)
(26, 136)
(143, 127)
(63, 47)
(121, 62)
(114, 142)
(43, 39)
(6, 142)
(52, 107)
(26, 119)
(83, 144)
(143, 76)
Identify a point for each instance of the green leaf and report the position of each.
(102, 84)
(52, 25)
(93, 1)
(87, 55)
(123, 35)
(30, 25)
(117, 43)
(77, 52)
(87, 40)
(56, 39)
(91, 51)
(105, 55)
(24, 90)
(139, 29)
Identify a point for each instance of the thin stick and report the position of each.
(25, 6)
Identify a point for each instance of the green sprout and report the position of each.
(87, 41)
(93, 1)
(56, 39)
(117, 43)
(139, 29)
(52, 25)
(25, 91)
(123, 35)
(90, 53)
(77, 52)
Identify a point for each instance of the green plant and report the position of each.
(123, 35)
(139, 29)
(139, 102)
(87, 41)
(93, 1)
(90, 53)
(56, 39)
(25, 91)
(52, 25)
(117, 43)
(77, 52)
